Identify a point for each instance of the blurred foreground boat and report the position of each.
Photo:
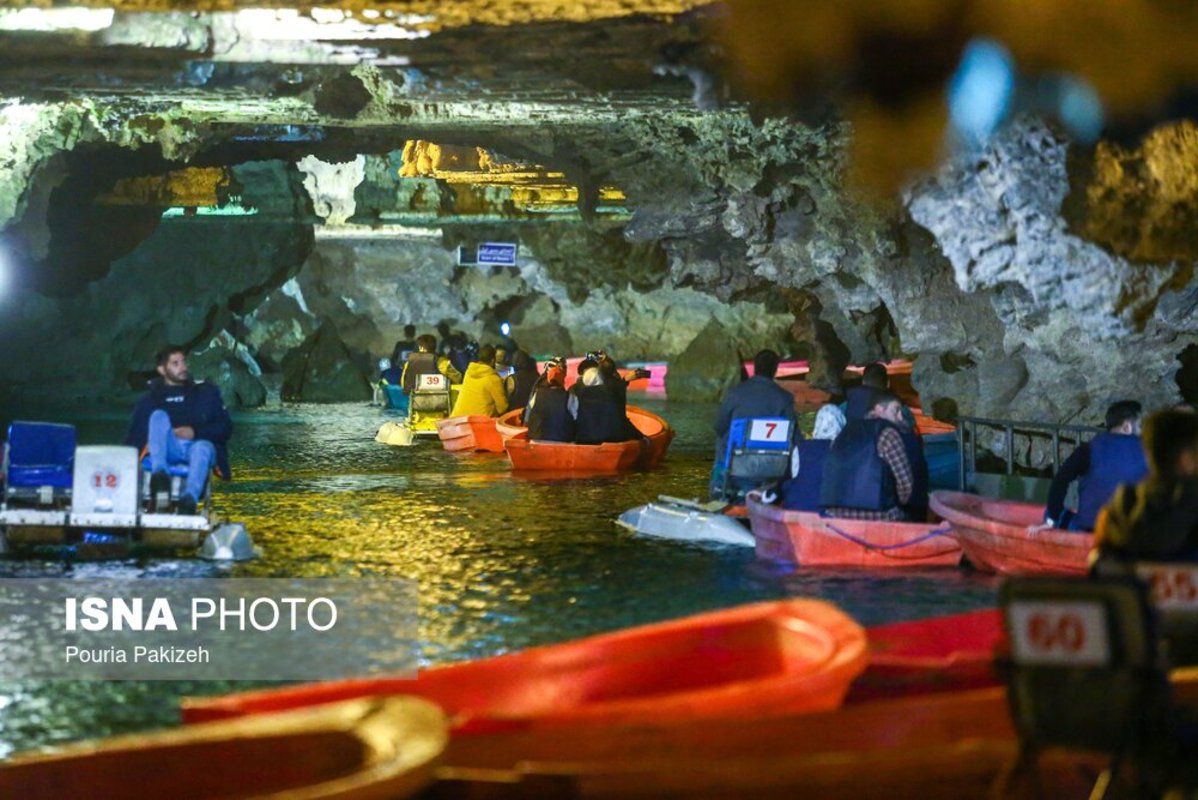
(751, 662)
(366, 749)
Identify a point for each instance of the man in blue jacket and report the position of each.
(759, 396)
(183, 422)
(1100, 465)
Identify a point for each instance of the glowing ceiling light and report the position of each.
(56, 19)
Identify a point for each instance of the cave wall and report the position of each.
(1032, 279)
(370, 288)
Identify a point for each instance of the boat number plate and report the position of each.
(1174, 586)
(1068, 633)
(431, 382)
(105, 479)
(769, 430)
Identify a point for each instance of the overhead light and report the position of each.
(56, 19)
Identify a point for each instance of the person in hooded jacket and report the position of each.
(1157, 519)
(520, 383)
(596, 407)
(548, 414)
(482, 389)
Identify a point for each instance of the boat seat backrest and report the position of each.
(759, 448)
(1084, 671)
(1173, 592)
(431, 394)
(39, 461)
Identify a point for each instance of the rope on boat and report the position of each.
(884, 547)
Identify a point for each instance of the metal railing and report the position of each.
(1073, 433)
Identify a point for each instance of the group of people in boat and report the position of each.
(863, 461)
(593, 410)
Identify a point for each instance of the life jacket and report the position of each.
(522, 386)
(855, 476)
(917, 505)
(599, 417)
(549, 418)
(1115, 458)
(802, 492)
(419, 364)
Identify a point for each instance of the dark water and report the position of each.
(502, 562)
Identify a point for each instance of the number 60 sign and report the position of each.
(1059, 632)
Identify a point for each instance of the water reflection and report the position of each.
(502, 562)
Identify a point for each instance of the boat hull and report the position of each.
(809, 540)
(472, 434)
(561, 457)
(751, 662)
(552, 457)
(993, 533)
(364, 749)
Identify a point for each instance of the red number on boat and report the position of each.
(1046, 632)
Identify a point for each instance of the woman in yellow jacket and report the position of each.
(482, 390)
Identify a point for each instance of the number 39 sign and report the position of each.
(1065, 633)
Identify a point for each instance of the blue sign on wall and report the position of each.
(501, 254)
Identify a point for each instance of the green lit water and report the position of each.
(502, 562)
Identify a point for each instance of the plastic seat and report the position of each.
(758, 451)
(39, 462)
(430, 398)
(1085, 673)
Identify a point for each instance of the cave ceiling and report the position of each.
(544, 92)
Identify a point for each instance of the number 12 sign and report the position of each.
(1063, 632)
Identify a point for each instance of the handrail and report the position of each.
(1009, 426)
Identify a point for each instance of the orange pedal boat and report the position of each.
(474, 433)
(566, 457)
(809, 540)
(994, 535)
(760, 660)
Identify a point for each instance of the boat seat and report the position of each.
(758, 451)
(431, 395)
(1085, 673)
(1173, 590)
(39, 463)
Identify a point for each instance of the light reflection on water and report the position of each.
(503, 562)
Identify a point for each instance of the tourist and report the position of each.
(548, 414)
(425, 361)
(181, 421)
(1157, 519)
(755, 397)
(502, 364)
(405, 346)
(1100, 465)
(867, 473)
(596, 407)
(859, 399)
(482, 391)
(519, 385)
(801, 490)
